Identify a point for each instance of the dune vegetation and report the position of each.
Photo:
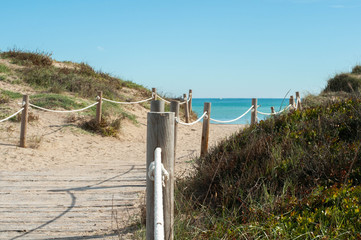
(292, 176)
(67, 85)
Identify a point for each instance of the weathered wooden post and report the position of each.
(272, 110)
(98, 116)
(174, 107)
(24, 121)
(205, 128)
(298, 100)
(154, 93)
(186, 110)
(292, 103)
(190, 101)
(157, 106)
(160, 133)
(254, 111)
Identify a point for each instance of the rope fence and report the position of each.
(192, 123)
(13, 115)
(125, 103)
(63, 111)
(276, 113)
(233, 120)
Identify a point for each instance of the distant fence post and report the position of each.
(98, 118)
(157, 106)
(298, 101)
(190, 101)
(272, 110)
(174, 107)
(160, 133)
(292, 102)
(205, 129)
(254, 111)
(186, 110)
(24, 121)
(154, 93)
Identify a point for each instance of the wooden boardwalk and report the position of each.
(69, 203)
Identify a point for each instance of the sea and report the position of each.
(224, 109)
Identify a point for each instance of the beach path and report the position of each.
(76, 185)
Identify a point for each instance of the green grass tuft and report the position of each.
(4, 69)
(10, 94)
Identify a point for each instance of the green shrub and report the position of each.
(343, 82)
(356, 69)
(21, 57)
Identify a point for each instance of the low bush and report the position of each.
(356, 69)
(344, 82)
(22, 57)
(106, 128)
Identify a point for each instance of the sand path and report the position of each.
(76, 185)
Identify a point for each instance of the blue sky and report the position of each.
(254, 48)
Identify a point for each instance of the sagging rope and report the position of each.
(271, 114)
(62, 111)
(166, 101)
(145, 100)
(190, 124)
(5, 119)
(163, 99)
(233, 120)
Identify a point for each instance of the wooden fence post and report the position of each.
(254, 111)
(157, 106)
(186, 110)
(190, 101)
(292, 102)
(154, 93)
(160, 133)
(205, 129)
(98, 117)
(272, 110)
(298, 100)
(24, 121)
(174, 107)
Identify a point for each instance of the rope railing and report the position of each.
(141, 101)
(13, 115)
(233, 120)
(63, 111)
(166, 101)
(192, 123)
(271, 114)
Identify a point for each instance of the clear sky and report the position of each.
(225, 48)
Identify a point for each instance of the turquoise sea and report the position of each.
(230, 108)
